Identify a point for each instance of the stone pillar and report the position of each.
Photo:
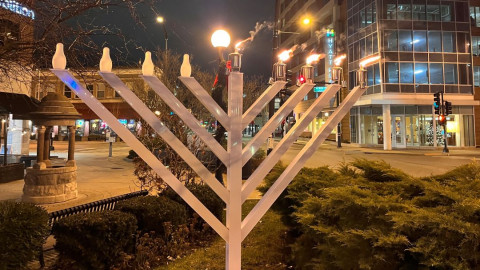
(71, 143)
(46, 147)
(387, 127)
(40, 143)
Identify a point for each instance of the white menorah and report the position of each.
(235, 193)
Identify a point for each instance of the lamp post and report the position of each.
(161, 20)
(337, 76)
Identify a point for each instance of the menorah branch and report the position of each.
(187, 117)
(165, 133)
(273, 122)
(67, 78)
(257, 177)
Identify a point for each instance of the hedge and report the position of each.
(95, 240)
(23, 230)
(152, 212)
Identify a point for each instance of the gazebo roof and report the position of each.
(55, 109)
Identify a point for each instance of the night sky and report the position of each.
(191, 23)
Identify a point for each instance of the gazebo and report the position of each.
(45, 183)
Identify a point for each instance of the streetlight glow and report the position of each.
(160, 19)
(306, 21)
(220, 38)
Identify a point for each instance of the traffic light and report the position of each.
(301, 80)
(442, 119)
(437, 102)
(448, 107)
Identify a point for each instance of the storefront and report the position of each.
(411, 126)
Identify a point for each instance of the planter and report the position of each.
(11, 172)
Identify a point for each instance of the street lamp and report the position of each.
(220, 39)
(161, 20)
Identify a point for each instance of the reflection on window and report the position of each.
(377, 74)
(370, 75)
(433, 13)
(375, 43)
(446, 12)
(406, 72)
(463, 41)
(418, 12)
(420, 41)
(404, 12)
(449, 42)
(450, 74)
(434, 41)
(421, 73)
(390, 40)
(476, 76)
(405, 41)
(391, 72)
(436, 73)
(476, 46)
(391, 12)
(463, 74)
(475, 16)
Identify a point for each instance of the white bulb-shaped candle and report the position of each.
(148, 69)
(59, 61)
(186, 68)
(106, 61)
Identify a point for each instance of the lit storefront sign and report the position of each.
(330, 48)
(18, 8)
(319, 89)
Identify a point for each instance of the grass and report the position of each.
(264, 248)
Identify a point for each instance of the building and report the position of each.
(89, 127)
(424, 48)
(16, 30)
(321, 32)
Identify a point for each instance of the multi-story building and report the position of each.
(424, 47)
(90, 125)
(311, 27)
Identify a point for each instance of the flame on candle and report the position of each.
(240, 45)
(339, 59)
(314, 58)
(369, 60)
(285, 55)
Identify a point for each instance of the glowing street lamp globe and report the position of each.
(160, 19)
(220, 38)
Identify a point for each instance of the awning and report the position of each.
(20, 105)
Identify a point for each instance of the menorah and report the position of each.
(236, 156)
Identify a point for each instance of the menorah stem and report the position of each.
(234, 172)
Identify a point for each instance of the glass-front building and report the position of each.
(425, 48)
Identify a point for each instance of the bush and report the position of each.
(204, 194)
(23, 230)
(95, 240)
(152, 212)
(368, 215)
(132, 154)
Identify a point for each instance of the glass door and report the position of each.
(398, 131)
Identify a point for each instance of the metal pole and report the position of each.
(5, 137)
(166, 37)
(110, 150)
(443, 112)
(339, 126)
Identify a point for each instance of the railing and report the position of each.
(101, 205)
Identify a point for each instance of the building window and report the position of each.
(449, 42)
(9, 31)
(446, 11)
(418, 12)
(436, 73)
(434, 41)
(391, 40)
(100, 90)
(451, 74)
(420, 41)
(368, 47)
(421, 73)
(362, 49)
(375, 43)
(391, 12)
(405, 41)
(476, 45)
(67, 92)
(377, 74)
(391, 72)
(433, 13)
(404, 12)
(476, 76)
(406, 72)
(475, 16)
(463, 42)
(90, 88)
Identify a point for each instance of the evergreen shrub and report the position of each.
(95, 240)
(368, 215)
(153, 211)
(23, 230)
